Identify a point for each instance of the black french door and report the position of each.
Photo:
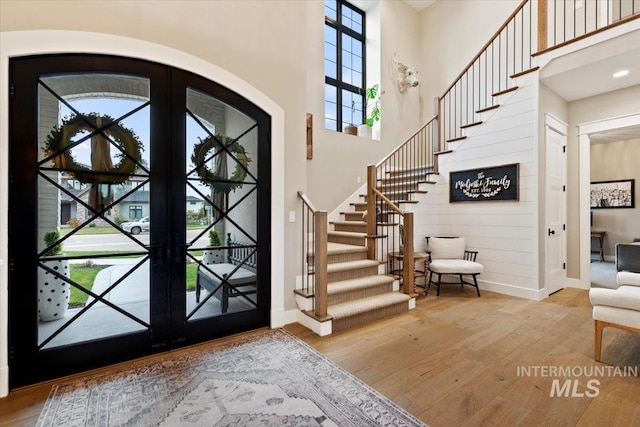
(139, 212)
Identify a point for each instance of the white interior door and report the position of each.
(555, 204)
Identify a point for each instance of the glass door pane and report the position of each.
(93, 207)
(221, 208)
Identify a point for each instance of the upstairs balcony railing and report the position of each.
(509, 53)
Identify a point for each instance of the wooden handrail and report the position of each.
(496, 34)
(406, 141)
(392, 205)
(306, 201)
(589, 34)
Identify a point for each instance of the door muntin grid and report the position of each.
(221, 179)
(89, 124)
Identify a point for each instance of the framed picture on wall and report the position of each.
(613, 194)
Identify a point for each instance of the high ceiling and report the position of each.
(419, 4)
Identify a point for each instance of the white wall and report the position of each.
(504, 232)
(451, 34)
(340, 159)
(611, 162)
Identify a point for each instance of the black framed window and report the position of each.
(344, 65)
(135, 211)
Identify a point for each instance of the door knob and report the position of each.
(552, 232)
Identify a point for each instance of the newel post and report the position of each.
(320, 263)
(371, 212)
(408, 264)
(542, 25)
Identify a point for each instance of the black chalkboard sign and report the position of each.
(483, 184)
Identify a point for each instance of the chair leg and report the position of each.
(461, 281)
(430, 279)
(599, 326)
(475, 281)
(439, 280)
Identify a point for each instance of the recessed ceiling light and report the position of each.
(620, 73)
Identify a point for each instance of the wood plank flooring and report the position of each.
(454, 361)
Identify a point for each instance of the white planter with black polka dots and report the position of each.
(53, 292)
(213, 256)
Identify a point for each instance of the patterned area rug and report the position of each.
(263, 378)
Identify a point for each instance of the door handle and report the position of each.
(552, 232)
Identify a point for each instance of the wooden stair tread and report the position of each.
(459, 138)
(410, 169)
(522, 73)
(491, 107)
(502, 92)
(468, 125)
(347, 222)
(437, 153)
(363, 305)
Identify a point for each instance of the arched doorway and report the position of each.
(146, 161)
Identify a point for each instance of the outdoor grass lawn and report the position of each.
(111, 230)
(84, 276)
(192, 270)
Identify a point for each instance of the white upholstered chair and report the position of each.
(619, 307)
(448, 256)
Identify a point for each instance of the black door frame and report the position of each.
(28, 364)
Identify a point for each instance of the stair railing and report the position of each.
(389, 183)
(314, 257)
(564, 22)
(527, 32)
(488, 74)
(381, 233)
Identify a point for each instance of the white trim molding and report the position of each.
(584, 130)
(41, 42)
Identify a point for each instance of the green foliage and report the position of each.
(214, 238)
(84, 276)
(50, 238)
(192, 271)
(118, 220)
(373, 105)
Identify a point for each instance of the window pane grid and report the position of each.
(344, 65)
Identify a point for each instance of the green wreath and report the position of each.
(220, 184)
(61, 137)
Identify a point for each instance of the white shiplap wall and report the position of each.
(504, 232)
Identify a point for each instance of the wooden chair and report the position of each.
(448, 255)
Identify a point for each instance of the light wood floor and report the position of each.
(454, 361)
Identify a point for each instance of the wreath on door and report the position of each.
(61, 137)
(217, 180)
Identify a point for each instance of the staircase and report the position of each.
(358, 289)
(353, 285)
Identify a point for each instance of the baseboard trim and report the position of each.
(514, 291)
(4, 381)
(320, 328)
(278, 318)
(576, 283)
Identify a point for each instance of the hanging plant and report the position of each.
(62, 136)
(213, 180)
